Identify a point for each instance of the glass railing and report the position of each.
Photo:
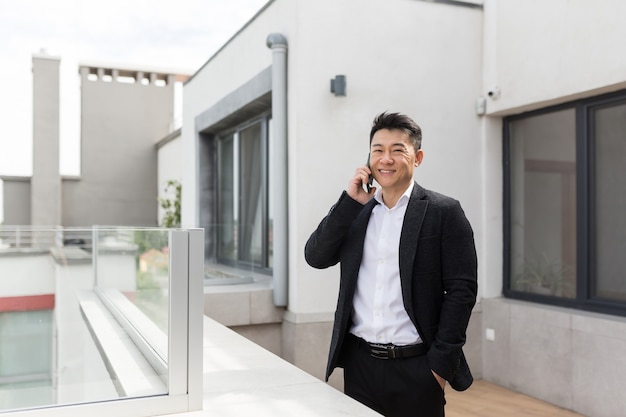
(99, 318)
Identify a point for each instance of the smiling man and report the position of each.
(408, 280)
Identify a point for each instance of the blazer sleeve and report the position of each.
(459, 279)
(323, 248)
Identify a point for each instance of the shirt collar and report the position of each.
(403, 199)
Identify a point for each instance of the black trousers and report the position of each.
(393, 387)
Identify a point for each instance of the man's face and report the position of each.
(393, 159)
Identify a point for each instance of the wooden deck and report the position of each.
(488, 400)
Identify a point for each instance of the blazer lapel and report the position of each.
(413, 219)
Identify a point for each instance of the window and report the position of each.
(565, 182)
(244, 215)
(25, 359)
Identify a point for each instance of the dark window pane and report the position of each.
(610, 204)
(270, 191)
(251, 224)
(227, 211)
(543, 204)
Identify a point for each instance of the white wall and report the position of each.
(29, 275)
(396, 57)
(543, 52)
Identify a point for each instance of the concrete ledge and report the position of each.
(243, 379)
(14, 252)
(71, 255)
(130, 372)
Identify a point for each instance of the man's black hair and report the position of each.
(399, 121)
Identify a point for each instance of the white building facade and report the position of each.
(523, 109)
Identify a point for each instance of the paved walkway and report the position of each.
(488, 400)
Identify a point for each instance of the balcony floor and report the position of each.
(484, 399)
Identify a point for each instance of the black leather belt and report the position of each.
(390, 351)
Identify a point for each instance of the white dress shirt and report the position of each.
(378, 311)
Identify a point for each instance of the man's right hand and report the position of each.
(355, 187)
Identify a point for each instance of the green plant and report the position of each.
(171, 206)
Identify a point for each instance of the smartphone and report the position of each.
(371, 177)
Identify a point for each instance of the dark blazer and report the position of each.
(438, 272)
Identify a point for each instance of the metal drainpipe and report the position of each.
(278, 157)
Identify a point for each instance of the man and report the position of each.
(408, 280)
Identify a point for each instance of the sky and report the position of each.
(179, 35)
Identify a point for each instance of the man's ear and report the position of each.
(419, 155)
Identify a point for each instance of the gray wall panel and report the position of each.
(121, 122)
(16, 197)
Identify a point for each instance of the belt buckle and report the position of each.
(379, 351)
(393, 351)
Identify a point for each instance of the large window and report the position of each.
(244, 212)
(565, 195)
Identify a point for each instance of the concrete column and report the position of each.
(46, 180)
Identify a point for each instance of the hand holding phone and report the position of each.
(360, 187)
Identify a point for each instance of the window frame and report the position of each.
(586, 280)
(264, 119)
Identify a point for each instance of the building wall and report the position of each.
(30, 274)
(121, 122)
(538, 54)
(16, 200)
(542, 53)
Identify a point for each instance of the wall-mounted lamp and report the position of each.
(338, 85)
